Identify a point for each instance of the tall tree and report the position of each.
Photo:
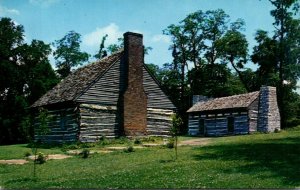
(180, 52)
(215, 26)
(287, 34)
(233, 48)
(265, 55)
(68, 53)
(25, 74)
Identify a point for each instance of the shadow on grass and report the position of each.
(21, 180)
(166, 161)
(281, 157)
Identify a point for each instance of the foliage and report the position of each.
(40, 130)
(137, 141)
(170, 143)
(41, 158)
(101, 53)
(226, 162)
(175, 129)
(27, 154)
(25, 75)
(278, 57)
(85, 153)
(68, 54)
(207, 41)
(129, 149)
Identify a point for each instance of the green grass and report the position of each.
(18, 151)
(250, 161)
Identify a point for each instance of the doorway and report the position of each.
(230, 125)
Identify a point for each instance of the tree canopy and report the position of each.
(68, 54)
(25, 75)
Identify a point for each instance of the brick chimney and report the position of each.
(268, 112)
(135, 99)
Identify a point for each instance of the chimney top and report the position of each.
(133, 34)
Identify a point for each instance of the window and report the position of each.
(63, 120)
(230, 124)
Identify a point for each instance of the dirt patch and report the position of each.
(76, 152)
(195, 142)
(54, 157)
(14, 161)
(121, 147)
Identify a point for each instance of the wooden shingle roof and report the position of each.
(74, 84)
(229, 102)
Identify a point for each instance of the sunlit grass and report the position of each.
(250, 161)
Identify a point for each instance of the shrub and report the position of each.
(27, 154)
(170, 143)
(277, 130)
(129, 149)
(103, 141)
(121, 140)
(85, 153)
(137, 141)
(41, 158)
(87, 145)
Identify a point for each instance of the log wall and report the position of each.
(63, 126)
(217, 124)
(97, 121)
(159, 122)
(253, 113)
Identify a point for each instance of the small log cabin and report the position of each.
(114, 96)
(234, 115)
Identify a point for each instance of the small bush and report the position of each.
(277, 130)
(170, 143)
(103, 141)
(85, 153)
(70, 146)
(87, 145)
(129, 149)
(137, 141)
(27, 154)
(41, 158)
(121, 140)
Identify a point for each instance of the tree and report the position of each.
(112, 48)
(215, 26)
(25, 75)
(101, 53)
(265, 55)
(233, 48)
(175, 129)
(41, 129)
(287, 35)
(68, 54)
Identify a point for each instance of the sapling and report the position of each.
(176, 123)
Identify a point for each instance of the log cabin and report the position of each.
(235, 115)
(114, 96)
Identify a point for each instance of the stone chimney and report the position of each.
(268, 112)
(135, 99)
(200, 98)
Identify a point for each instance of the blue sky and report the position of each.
(50, 20)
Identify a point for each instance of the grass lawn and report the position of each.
(251, 161)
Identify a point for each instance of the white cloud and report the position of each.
(43, 3)
(161, 38)
(6, 11)
(94, 38)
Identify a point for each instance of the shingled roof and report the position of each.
(229, 102)
(74, 84)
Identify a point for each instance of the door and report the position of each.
(201, 127)
(230, 125)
